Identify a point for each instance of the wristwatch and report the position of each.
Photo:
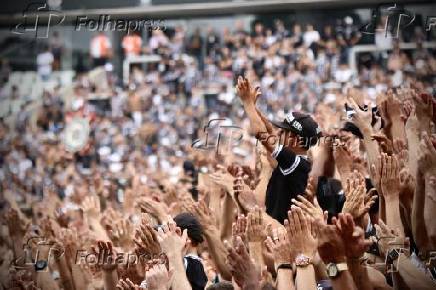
(334, 269)
(302, 260)
(40, 265)
(392, 256)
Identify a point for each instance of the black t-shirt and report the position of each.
(288, 180)
(195, 273)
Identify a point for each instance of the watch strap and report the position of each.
(342, 267)
(284, 266)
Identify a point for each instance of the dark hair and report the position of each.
(188, 221)
(223, 285)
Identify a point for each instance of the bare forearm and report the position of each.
(285, 280)
(180, 281)
(358, 274)
(393, 216)
(79, 280)
(418, 223)
(397, 129)
(215, 203)
(45, 281)
(64, 272)
(256, 124)
(323, 165)
(305, 279)
(217, 251)
(371, 148)
(260, 191)
(344, 282)
(414, 278)
(382, 207)
(266, 122)
(17, 247)
(413, 142)
(226, 217)
(110, 279)
(256, 253)
(429, 210)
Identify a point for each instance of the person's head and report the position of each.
(223, 285)
(301, 132)
(189, 222)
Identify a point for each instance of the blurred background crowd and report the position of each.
(146, 129)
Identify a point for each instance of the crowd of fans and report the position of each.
(141, 207)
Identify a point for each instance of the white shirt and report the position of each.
(310, 36)
(44, 61)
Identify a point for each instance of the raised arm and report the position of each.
(172, 245)
(248, 96)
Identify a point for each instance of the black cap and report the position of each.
(301, 124)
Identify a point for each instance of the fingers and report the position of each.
(303, 203)
(291, 222)
(302, 220)
(269, 244)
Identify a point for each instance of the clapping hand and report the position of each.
(242, 267)
(247, 94)
(146, 238)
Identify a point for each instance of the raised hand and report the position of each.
(243, 269)
(109, 216)
(362, 119)
(384, 142)
(201, 211)
(424, 107)
(158, 277)
(255, 226)
(427, 154)
(222, 178)
(393, 106)
(280, 246)
(390, 176)
(146, 239)
(91, 207)
(300, 234)
(356, 203)
(331, 247)
(242, 194)
(127, 285)
(157, 209)
(70, 241)
(343, 159)
(104, 250)
(15, 225)
(246, 93)
(170, 238)
(121, 233)
(239, 228)
(352, 236)
(311, 209)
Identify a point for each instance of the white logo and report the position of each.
(31, 17)
(297, 126)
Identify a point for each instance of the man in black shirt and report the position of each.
(300, 132)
